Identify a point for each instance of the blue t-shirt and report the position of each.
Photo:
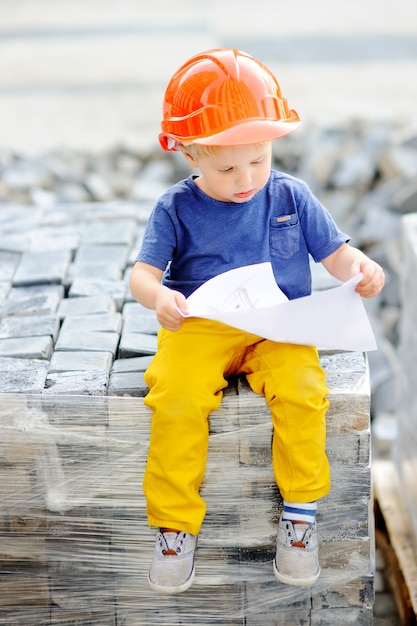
(193, 237)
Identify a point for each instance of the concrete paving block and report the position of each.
(358, 591)
(29, 326)
(49, 239)
(8, 264)
(105, 322)
(281, 597)
(98, 186)
(22, 375)
(11, 217)
(42, 267)
(29, 615)
(229, 607)
(349, 482)
(343, 520)
(95, 212)
(348, 412)
(86, 305)
(139, 319)
(141, 324)
(134, 309)
(16, 219)
(91, 271)
(127, 383)
(14, 591)
(133, 364)
(33, 300)
(351, 556)
(5, 286)
(14, 242)
(27, 347)
(67, 361)
(71, 414)
(96, 253)
(112, 231)
(65, 216)
(137, 244)
(349, 449)
(82, 382)
(354, 616)
(226, 418)
(129, 412)
(86, 340)
(19, 548)
(405, 200)
(16, 486)
(88, 617)
(117, 289)
(255, 445)
(126, 276)
(281, 617)
(17, 447)
(136, 344)
(77, 591)
(344, 370)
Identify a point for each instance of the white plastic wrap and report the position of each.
(76, 547)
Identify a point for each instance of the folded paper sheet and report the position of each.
(248, 298)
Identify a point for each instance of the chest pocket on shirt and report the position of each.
(284, 236)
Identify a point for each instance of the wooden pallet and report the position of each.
(395, 539)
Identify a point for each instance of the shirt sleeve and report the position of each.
(322, 235)
(159, 239)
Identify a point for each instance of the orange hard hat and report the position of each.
(224, 97)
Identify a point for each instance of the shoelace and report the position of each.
(301, 533)
(168, 551)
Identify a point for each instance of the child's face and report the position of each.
(234, 173)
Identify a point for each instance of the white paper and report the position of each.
(248, 298)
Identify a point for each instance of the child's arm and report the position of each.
(347, 261)
(146, 288)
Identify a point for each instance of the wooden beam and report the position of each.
(395, 538)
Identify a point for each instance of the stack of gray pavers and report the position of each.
(405, 452)
(75, 545)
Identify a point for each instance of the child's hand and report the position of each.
(347, 262)
(373, 277)
(167, 304)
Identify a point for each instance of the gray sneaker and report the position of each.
(172, 567)
(297, 558)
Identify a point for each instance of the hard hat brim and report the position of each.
(253, 131)
(247, 132)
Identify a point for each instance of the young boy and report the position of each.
(222, 109)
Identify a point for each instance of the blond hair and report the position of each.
(198, 149)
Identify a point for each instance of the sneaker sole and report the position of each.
(297, 582)
(172, 590)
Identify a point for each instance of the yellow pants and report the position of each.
(186, 379)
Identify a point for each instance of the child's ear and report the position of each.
(192, 161)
